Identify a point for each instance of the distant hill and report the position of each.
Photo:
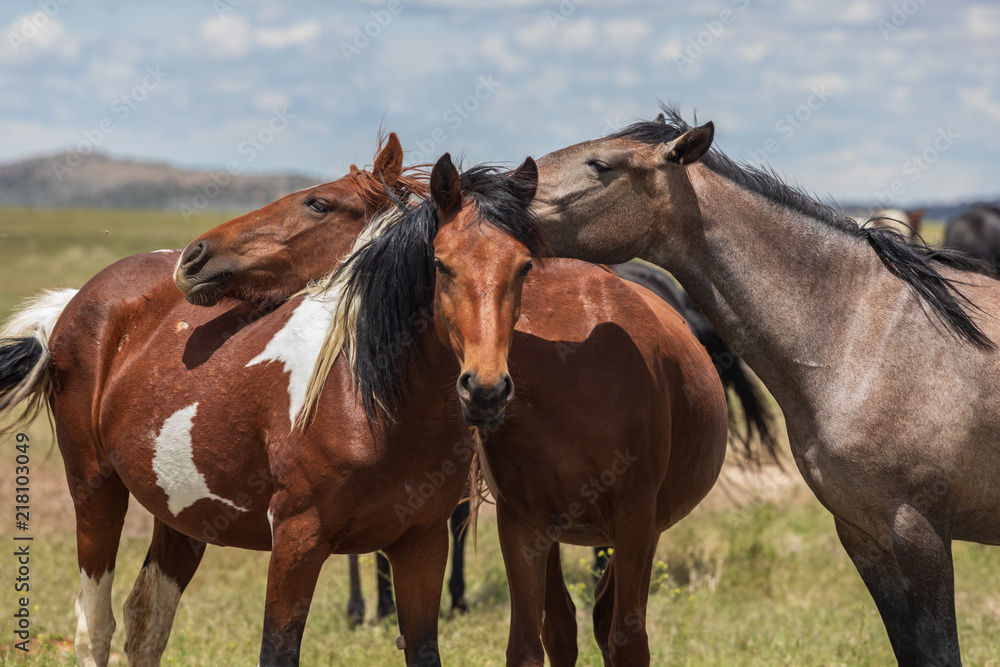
(100, 181)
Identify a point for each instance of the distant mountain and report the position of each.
(100, 181)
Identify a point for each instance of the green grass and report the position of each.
(48, 248)
(764, 584)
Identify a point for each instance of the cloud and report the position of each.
(983, 21)
(226, 37)
(300, 33)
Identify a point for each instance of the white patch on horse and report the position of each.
(297, 345)
(173, 463)
(95, 621)
(149, 615)
(270, 522)
(168, 250)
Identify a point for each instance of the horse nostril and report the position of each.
(194, 257)
(508, 389)
(465, 386)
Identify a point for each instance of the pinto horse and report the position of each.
(879, 352)
(619, 426)
(191, 410)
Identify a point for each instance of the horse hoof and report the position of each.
(355, 615)
(460, 605)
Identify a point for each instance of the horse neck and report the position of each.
(785, 290)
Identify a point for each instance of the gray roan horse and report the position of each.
(878, 352)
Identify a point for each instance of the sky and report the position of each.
(862, 101)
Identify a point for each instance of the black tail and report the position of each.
(19, 358)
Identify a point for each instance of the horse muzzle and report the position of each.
(201, 281)
(483, 404)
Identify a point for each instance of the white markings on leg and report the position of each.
(173, 463)
(149, 615)
(95, 622)
(298, 344)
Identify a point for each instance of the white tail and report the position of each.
(24, 353)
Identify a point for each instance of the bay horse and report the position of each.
(190, 409)
(619, 425)
(977, 233)
(880, 353)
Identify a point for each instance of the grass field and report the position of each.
(755, 576)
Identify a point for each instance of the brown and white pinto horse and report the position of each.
(190, 409)
(619, 425)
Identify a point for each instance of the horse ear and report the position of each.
(916, 216)
(446, 186)
(660, 118)
(354, 168)
(689, 147)
(389, 162)
(526, 176)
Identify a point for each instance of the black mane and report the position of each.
(391, 278)
(913, 263)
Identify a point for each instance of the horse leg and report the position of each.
(525, 564)
(171, 561)
(386, 605)
(418, 566)
(456, 583)
(356, 601)
(604, 607)
(600, 561)
(627, 643)
(913, 584)
(297, 555)
(100, 500)
(559, 620)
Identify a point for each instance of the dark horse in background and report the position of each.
(977, 233)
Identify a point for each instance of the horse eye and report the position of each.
(441, 268)
(527, 267)
(319, 205)
(599, 165)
